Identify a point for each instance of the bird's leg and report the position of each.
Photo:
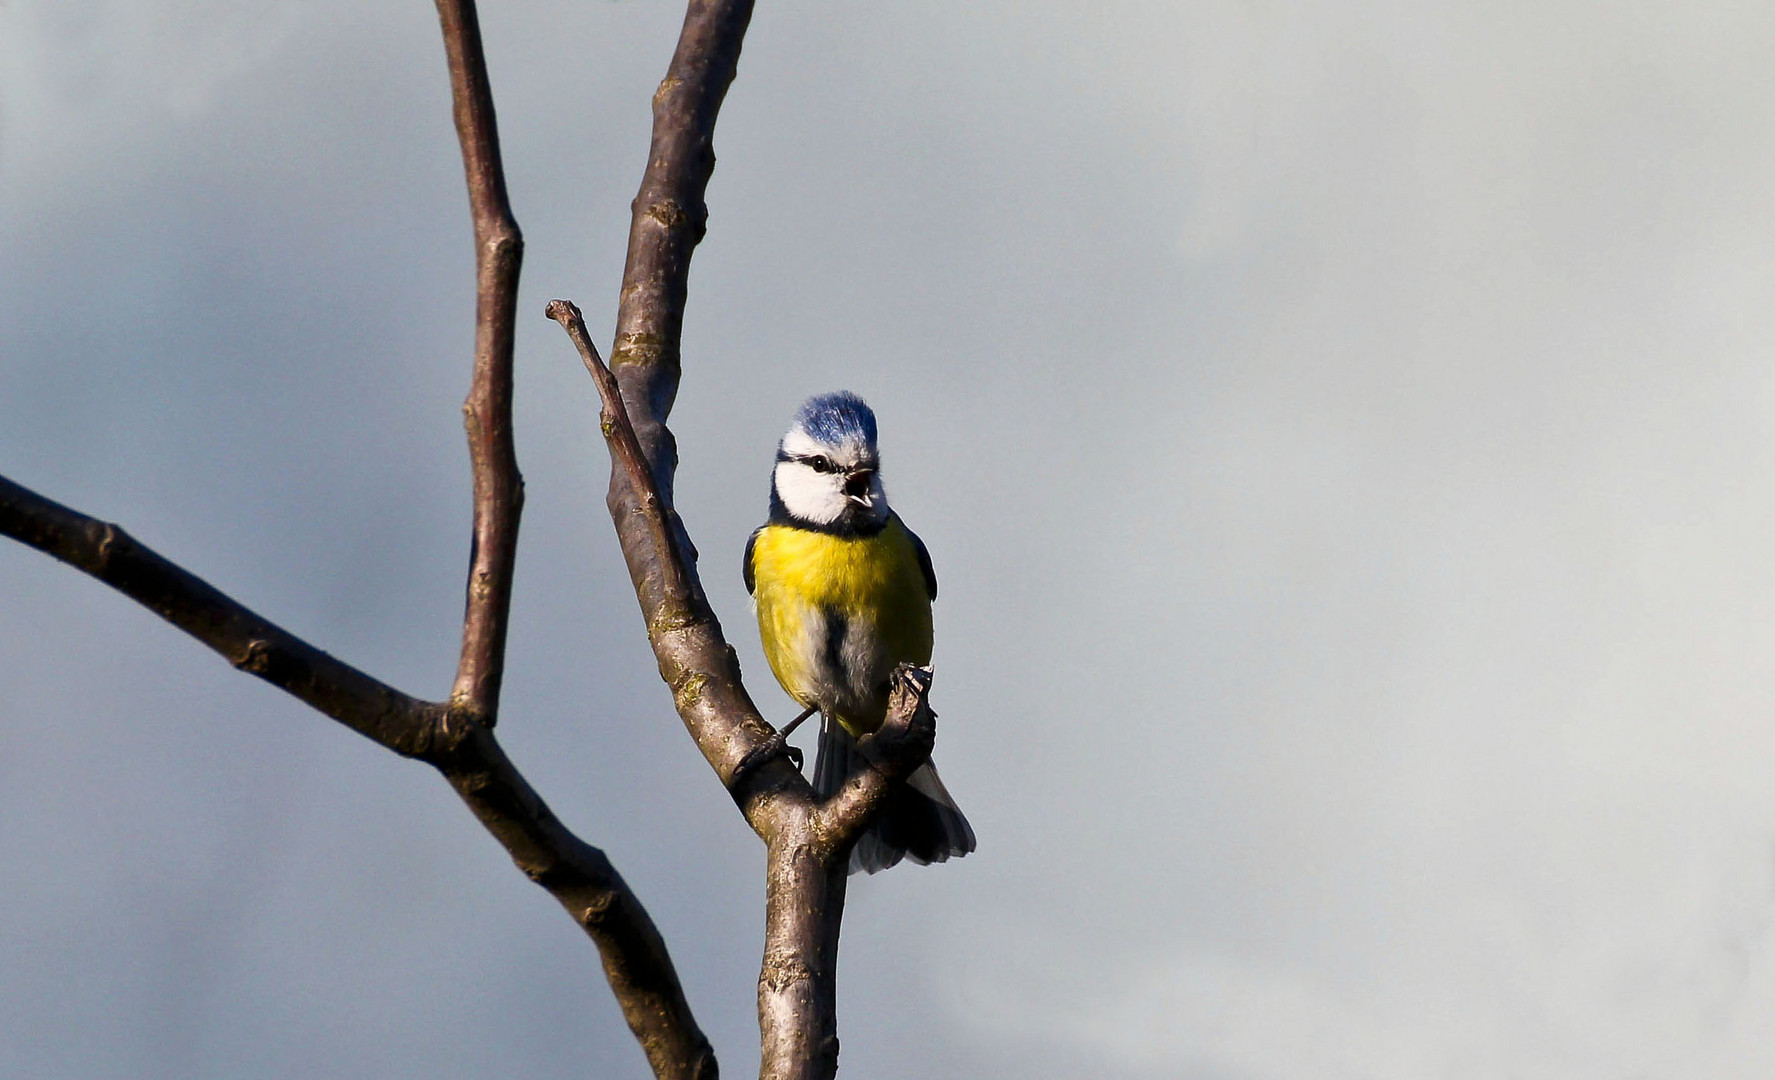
(789, 729)
(773, 746)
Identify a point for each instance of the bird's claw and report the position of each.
(774, 747)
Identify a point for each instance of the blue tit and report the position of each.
(843, 590)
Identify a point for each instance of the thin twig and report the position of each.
(614, 421)
(487, 413)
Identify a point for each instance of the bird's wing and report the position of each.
(924, 562)
(746, 561)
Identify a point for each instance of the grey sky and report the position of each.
(1343, 433)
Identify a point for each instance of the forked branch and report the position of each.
(636, 962)
(668, 219)
(807, 843)
(577, 874)
(455, 737)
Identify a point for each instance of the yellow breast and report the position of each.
(874, 583)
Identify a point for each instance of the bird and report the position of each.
(843, 592)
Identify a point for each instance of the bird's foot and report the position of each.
(763, 754)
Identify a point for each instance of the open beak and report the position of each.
(857, 486)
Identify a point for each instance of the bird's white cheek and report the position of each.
(809, 495)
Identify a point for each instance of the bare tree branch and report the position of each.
(578, 875)
(807, 852)
(253, 644)
(487, 414)
(651, 512)
(636, 963)
(669, 218)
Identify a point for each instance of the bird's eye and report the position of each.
(820, 463)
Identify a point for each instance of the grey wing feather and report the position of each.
(924, 562)
(746, 561)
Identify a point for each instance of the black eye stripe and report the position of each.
(820, 463)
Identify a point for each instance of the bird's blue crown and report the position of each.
(838, 418)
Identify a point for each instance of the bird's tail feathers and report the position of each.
(920, 821)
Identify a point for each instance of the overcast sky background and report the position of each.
(1345, 435)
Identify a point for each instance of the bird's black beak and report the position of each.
(857, 484)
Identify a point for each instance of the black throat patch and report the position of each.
(856, 521)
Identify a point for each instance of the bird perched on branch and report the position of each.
(844, 591)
